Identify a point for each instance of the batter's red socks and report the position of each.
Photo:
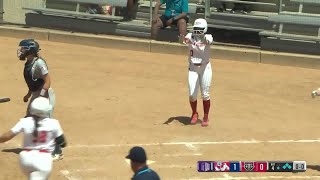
(206, 108)
(193, 107)
(194, 117)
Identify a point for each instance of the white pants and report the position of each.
(36, 165)
(199, 76)
(52, 100)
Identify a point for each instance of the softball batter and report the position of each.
(37, 78)
(40, 135)
(200, 72)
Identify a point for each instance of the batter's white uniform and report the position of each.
(36, 159)
(200, 72)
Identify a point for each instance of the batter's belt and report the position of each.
(199, 64)
(40, 150)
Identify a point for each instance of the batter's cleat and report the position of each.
(314, 94)
(205, 122)
(57, 157)
(194, 118)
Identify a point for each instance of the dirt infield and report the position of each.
(109, 100)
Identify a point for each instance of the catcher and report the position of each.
(37, 78)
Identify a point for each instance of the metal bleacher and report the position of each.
(282, 25)
(77, 13)
(256, 20)
(295, 30)
(70, 15)
(278, 25)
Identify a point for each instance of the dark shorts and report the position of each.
(164, 20)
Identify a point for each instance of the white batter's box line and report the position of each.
(182, 154)
(191, 147)
(197, 143)
(173, 166)
(69, 174)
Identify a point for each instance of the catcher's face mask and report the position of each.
(22, 52)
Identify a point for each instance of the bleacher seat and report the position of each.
(77, 14)
(295, 31)
(254, 21)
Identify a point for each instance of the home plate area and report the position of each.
(111, 100)
(178, 160)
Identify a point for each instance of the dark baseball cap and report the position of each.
(137, 154)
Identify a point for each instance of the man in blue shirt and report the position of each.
(175, 14)
(138, 158)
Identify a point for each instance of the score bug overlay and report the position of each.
(252, 166)
(299, 166)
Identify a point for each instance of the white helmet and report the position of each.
(40, 107)
(200, 26)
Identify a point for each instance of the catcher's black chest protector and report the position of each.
(33, 84)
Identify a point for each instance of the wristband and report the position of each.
(43, 92)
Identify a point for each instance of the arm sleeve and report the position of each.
(209, 38)
(185, 6)
(18, 127)
(43, 67)
(189, 36)
(61, 141)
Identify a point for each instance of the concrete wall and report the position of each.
(283, 45)
(143, 45)
(14, 12)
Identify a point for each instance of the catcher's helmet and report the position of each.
(27, 47)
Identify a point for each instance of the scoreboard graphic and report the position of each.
(252, 166)
(222, 166)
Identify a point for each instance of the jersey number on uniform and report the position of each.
(191, 52)
(42, 137)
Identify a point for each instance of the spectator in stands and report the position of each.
(131, 10)
(138, 162)
(175, 14)
(94, 9)
(242, 8)
(200, 2)
(221, 6)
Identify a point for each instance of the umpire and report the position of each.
(138, 159)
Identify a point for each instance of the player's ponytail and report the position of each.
(36, 125)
